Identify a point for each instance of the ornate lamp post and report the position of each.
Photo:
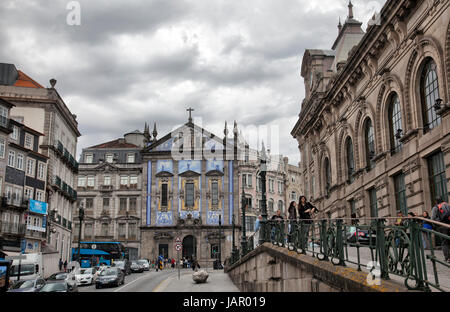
(220, 243)
(263, 170)
(234, 251)
(244, 236)
(81, 218)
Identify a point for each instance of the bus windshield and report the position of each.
(25, 269)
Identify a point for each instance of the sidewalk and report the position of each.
(218, 281)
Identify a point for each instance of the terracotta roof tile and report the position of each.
(25, 81)
(115, 144)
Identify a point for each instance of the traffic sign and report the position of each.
(178, 247)
(177, 239)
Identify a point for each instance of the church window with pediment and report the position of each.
(164, 195)
(189, 195)
(215, 193)
(107, 180)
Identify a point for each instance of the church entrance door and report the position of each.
(189, 247)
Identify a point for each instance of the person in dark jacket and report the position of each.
(292, 216)
(437, 216)
(305, 210)
(60, 265)
(292, 211)
(65, 266)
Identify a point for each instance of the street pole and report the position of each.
(178, 263)
(220, 242)
(81, 217)
(244, 236)
(263, 170)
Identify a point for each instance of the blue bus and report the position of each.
(97, 253)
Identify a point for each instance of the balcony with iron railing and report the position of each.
(59, 147)
(66, 155)
(12, 228)
(57, 180)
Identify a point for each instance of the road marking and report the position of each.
(163, 285)
(116, 290)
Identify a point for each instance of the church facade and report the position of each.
(189, 186)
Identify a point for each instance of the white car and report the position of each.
(99, 270)
(145, 264)
(85, 276)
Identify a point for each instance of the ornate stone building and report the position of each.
(373, 130)
(109, 189)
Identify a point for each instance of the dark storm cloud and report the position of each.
(148, 60)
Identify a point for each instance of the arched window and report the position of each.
(395, 123)
(429, 93)
(350, 159)
(369, 143)
(327, 169)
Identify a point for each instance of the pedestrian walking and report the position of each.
(60, 264)
(195, 264)
(441, 213)
(65, 266)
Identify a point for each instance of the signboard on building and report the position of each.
(38, 207)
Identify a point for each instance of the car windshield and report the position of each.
(142, 261)
(54, 287)
(119, 263)
(59, 276)
(25, 269)
(108, 271)
(23, 284)
(86, 271)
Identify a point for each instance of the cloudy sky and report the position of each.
(136, 61)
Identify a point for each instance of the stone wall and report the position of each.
(274, 269)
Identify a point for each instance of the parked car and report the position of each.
(124, 265)
(145, 263)
(27, 285)
(85, 276)
(136, 267)
(360, 236)
(110, 276)
(62, 276)
(59, 286)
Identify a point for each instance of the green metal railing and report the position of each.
(389, 249)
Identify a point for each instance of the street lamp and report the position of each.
(244, 236)
(234, 251)
(219, 266)
(81, 218)
(263, 170)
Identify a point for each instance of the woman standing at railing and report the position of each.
(305, 210)
(292, 211)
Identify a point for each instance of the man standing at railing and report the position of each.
(441, 213)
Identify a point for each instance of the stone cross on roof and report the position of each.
(190, 110)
